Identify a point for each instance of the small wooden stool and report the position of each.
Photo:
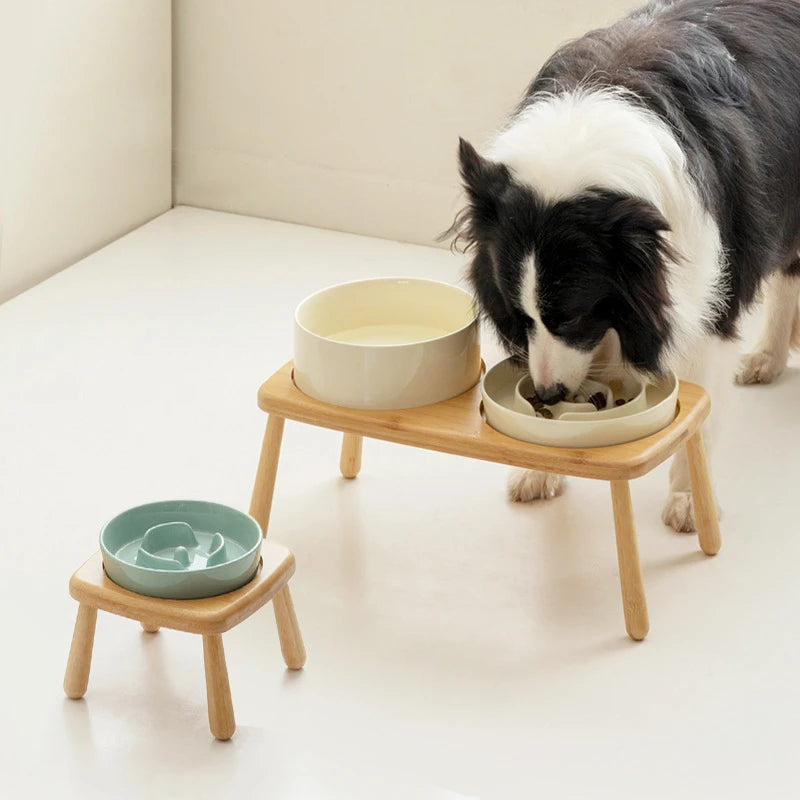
(457, 426)
(208, 616)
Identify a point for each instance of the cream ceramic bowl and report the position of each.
(386, 343)
(657, 409)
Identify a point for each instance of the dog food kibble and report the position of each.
(598, 400)
(546, 413)
(534, 400)
(619, 402)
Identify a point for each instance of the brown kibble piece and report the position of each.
(547, 413)
(620, 402)
(537, 404)
(598, 400)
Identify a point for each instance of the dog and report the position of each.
(642, 195)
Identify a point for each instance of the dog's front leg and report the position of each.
(527, 485)
(711, 367)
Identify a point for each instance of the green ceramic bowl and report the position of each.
(181, 549)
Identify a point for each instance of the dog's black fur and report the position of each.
(725, 76)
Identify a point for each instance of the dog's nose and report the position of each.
(550, 395)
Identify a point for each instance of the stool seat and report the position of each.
(211, 615)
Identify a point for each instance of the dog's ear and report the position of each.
(640, 255)
(638, 228)
(484, 182)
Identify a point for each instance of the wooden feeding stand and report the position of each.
(457, 426)
(208, 616)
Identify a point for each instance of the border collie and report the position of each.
(641, 193)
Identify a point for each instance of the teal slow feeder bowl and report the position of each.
(181, 549)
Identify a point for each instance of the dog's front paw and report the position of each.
(759, 367)
(526, 485)
(678, 512)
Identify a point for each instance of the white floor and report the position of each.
(458, 646)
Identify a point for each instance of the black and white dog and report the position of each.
(642, 192)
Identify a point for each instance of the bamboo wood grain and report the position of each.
(264, 488)
(292, 648)
(76, 678)
(456, 426)
(634, 603)
(350, 461)
(209, 615)
(705, 507)
(218, 690)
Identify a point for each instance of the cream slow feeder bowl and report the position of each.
(631, 391)
(386, 343)
(648, 409)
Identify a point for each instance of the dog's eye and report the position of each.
(573, 322)
(574, 326)
(528, 325)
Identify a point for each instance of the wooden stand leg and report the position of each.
(218, 690)
(79, 662)
(148, 628)
(294, 653)
(261, 501)
(350, 462)
(705, 507)
(634, 603)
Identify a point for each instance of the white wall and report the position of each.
(85, 128)
(346, 114)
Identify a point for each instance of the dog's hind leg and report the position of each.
(781, 329)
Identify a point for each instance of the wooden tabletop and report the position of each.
(456, 426)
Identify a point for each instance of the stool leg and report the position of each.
(79, 662)
(350, 462)
(148, 628)
(294, 653)
(264, 488)
(218, 690)
(705, 507)
(634, 603)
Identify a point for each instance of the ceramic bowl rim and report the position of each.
(475, 318)
(206, 570)
(576, 423)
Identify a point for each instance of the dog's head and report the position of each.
(567, 284)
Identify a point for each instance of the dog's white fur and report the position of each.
(563, 144)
